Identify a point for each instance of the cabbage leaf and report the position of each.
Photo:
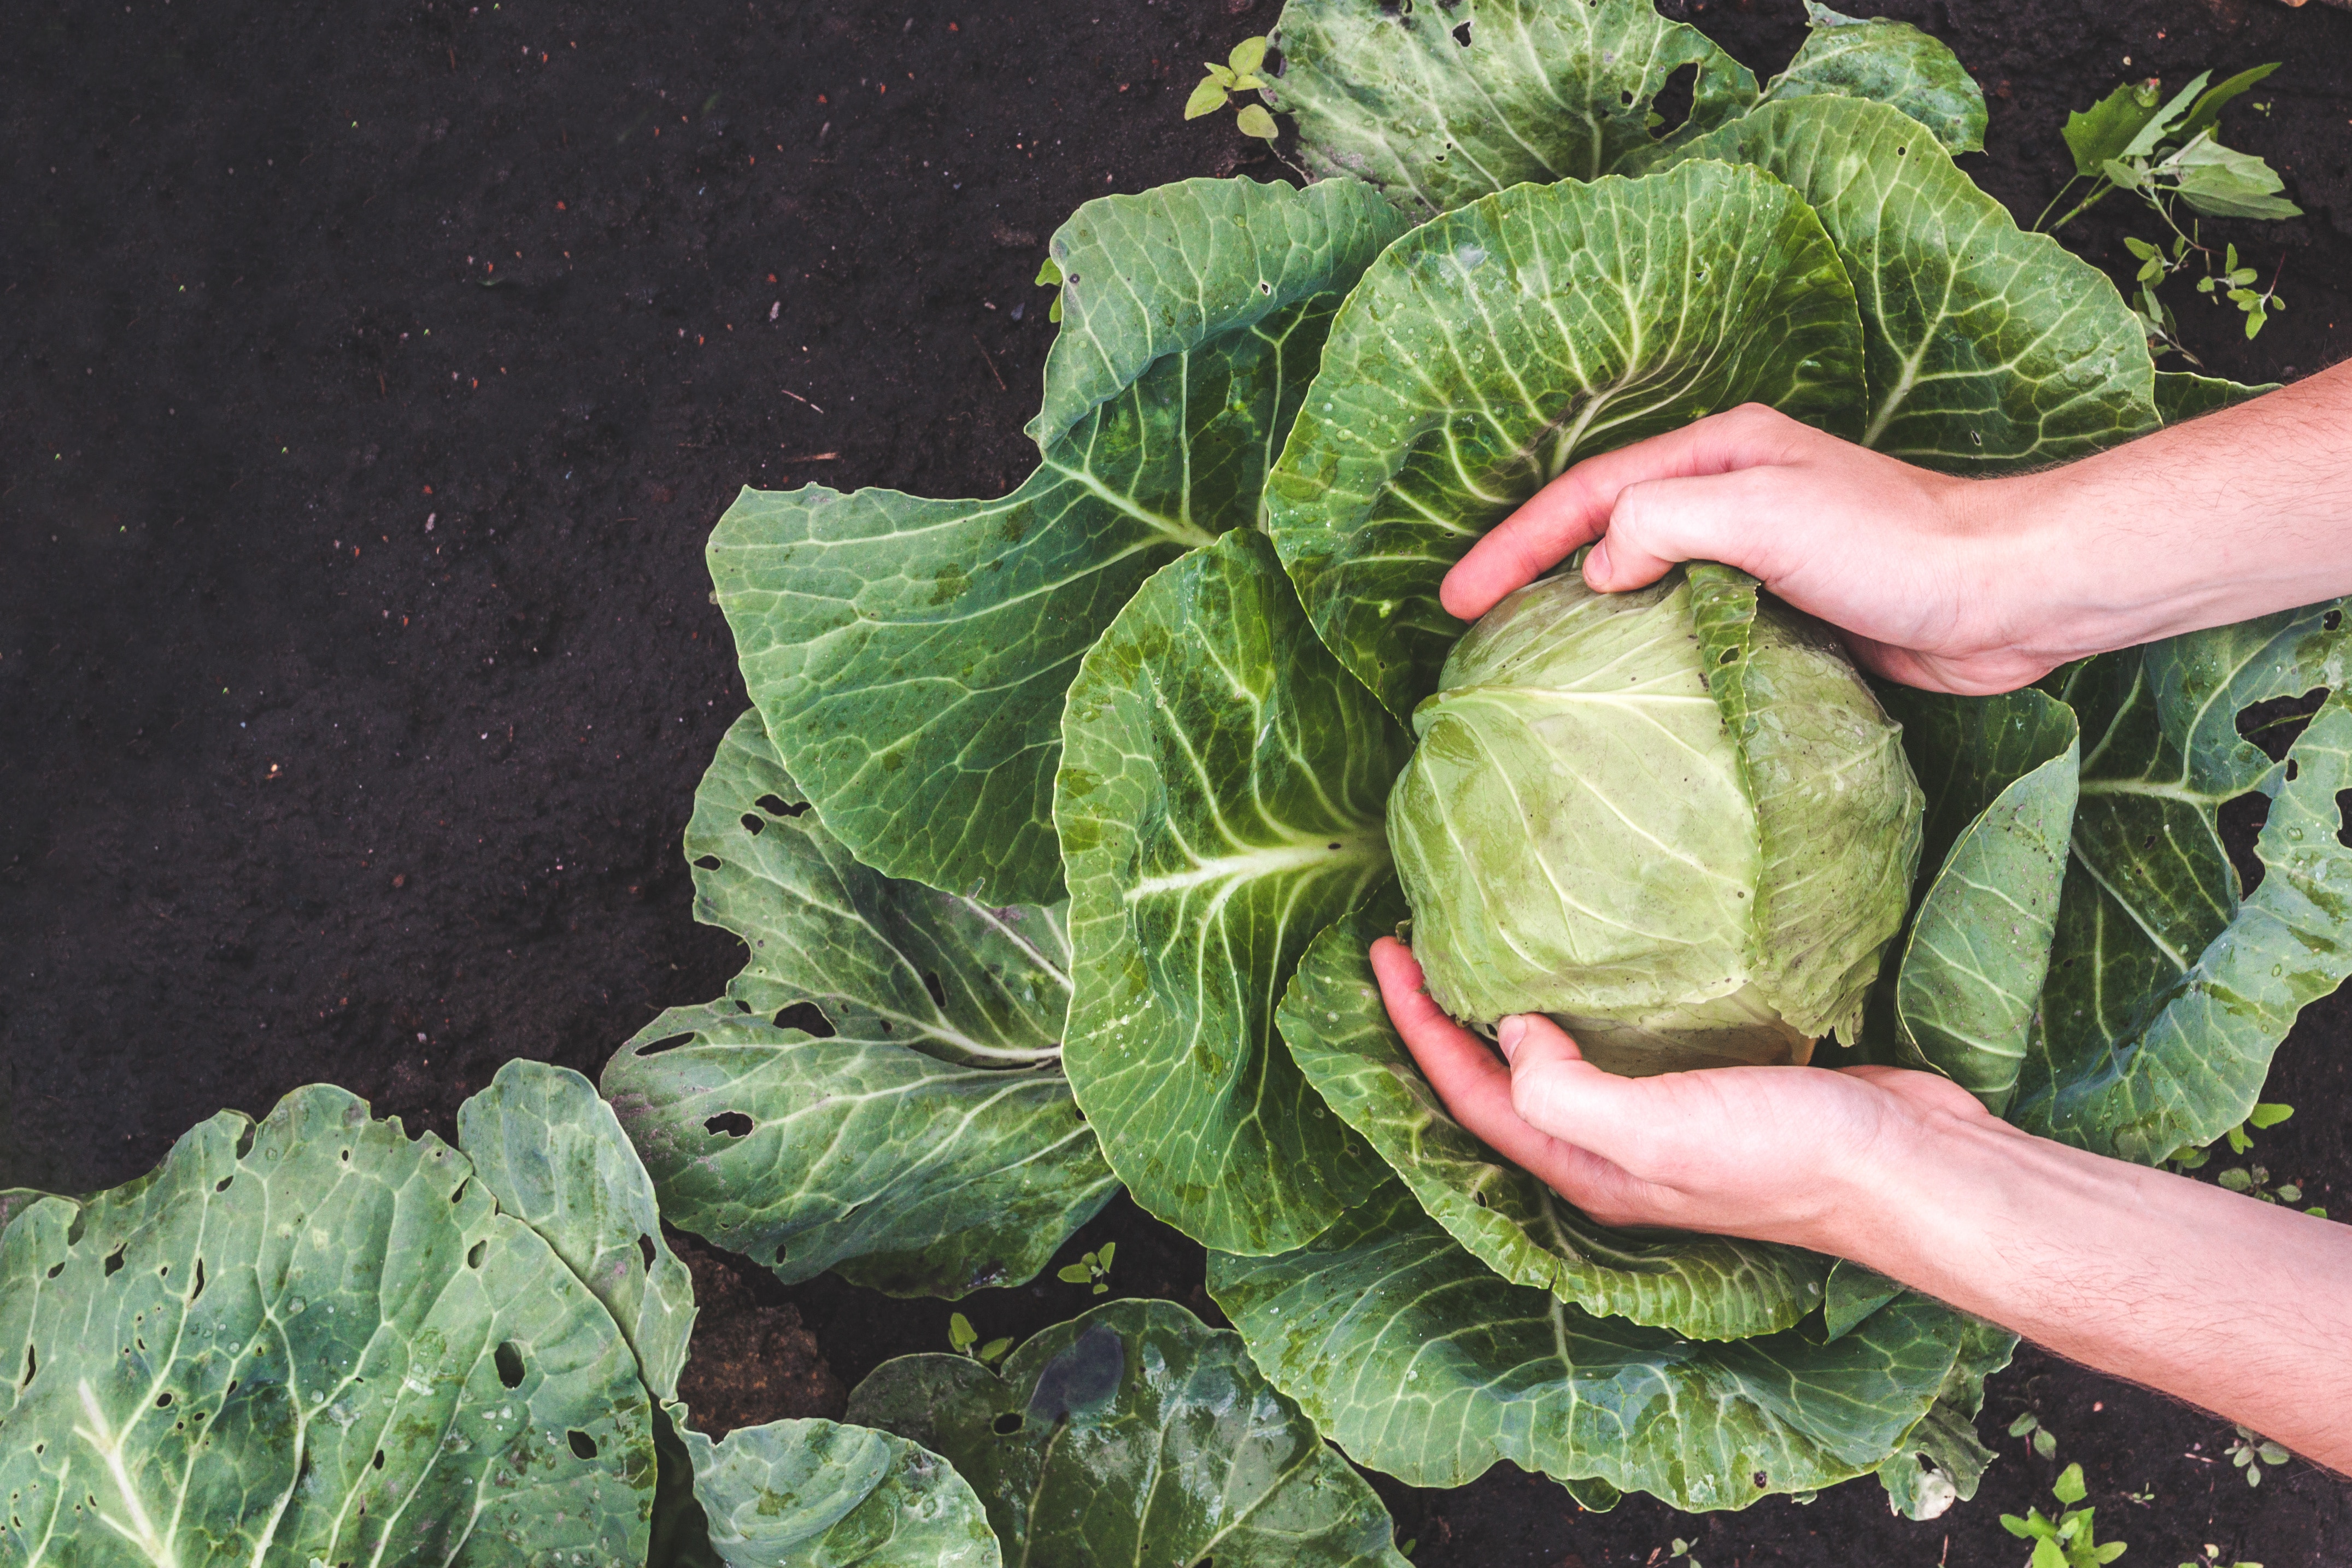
(2169, 988)
(1135, 1433)
(1222, 797)
(310, 1338)
(1421, 1361)
(1489, 349)
(1889, 62)
(911, 656)
(826, 1494)
(878, 1092)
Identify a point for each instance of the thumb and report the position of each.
(1554, 1089)
(1658, 522)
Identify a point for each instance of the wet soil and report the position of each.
(534, 287)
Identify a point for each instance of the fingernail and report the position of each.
(1596, 564)
(1508, 1033)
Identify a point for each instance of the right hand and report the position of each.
(1907, 562)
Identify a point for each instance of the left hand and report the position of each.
(1774, 1154)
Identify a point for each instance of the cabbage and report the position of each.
(1690, 849)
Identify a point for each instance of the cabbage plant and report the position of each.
(1674, 818)
(1063, 819)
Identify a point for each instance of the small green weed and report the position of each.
(2065, 1542)
(963, 1338)
(2212, 1559)
(2166, 151)
(1094, 1268)
(2252, 1451)
(2028, 1425)
(1237, 75)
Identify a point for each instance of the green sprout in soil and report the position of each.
(1237, 75)
(2065, 1542)
(2254, 1181)
(2212, 1559)
(2252, 1451)
(2166, 152)
(2028, 1425)
(962, 1337)
(1094, 1268)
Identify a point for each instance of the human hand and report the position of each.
(1932, 586)
(1774, 1154)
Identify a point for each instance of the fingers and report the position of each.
(1577, 508)
(1659, 522)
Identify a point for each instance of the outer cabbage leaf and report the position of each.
(911, 656)
(2168, 991)
(1438, 105)
(1941, 1460)
(879, 1093)
(825, 1494)
(1988, 347)
(1144, 277)
(1706, 1287)
(555, 1158)
(1421, 1362)
(1487, 351)
(2182, 395)
(1852, 1293)
(1220, 800)
(2002, 775)
(1887, 62)
(310, 1340)
(1837, 809)
(1132, 1434)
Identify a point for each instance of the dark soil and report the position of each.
(536, 290)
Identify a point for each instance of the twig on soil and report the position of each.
(989, 362)
(798, 399)
(814, 457)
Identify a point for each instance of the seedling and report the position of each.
(1093, 1267)
(963, 1337)
(1237, 75)
(1678, 1555)
(2254, 1181)
(2028, 1425)
(2252, 1451)
(2212, 1559)
(2165, 151)
(2065, 1542)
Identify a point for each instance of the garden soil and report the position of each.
(374, 375)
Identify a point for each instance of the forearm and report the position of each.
(2238, 514)
(2242, 1307)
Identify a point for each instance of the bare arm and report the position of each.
(2242, 1307)
(1966, 585)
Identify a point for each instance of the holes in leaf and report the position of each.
(114, 1260)
(1671, 104)
(245, 1140)
(2241, 822)
(1479, 1198)
(32, 1365)
(473, 1254)
(1462, 35)
(2331, 620)
(378, 1461)
(668, 1042)
(645, 1251)
(200, 1283)
(347, 1156)
(2343, 818)
(1005, 1426)
(806, 1017)
(1730, 657)
(775, 806)
(752, 824)
(1625, 97)
(163, 1400)
(938, 992)
(1759, 1478)
(2274, 726)
(709, 862)
(460, 1192)
(582, 1445)
(509, 1361)
(1263, 286)
(222, 1185)
(75, 1227)
(57, 1269)
(730, 1124)
(783, 1255)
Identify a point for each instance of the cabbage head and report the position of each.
(1676, 819)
